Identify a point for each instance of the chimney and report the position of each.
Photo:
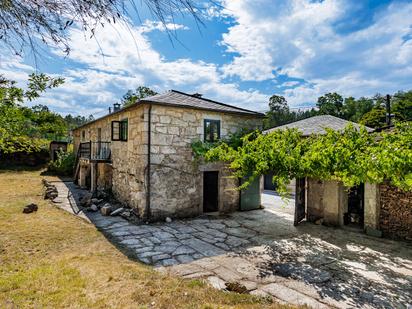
(197, 95)
(110, 110)
(388, 110)
(116, 107)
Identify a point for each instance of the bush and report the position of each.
(64, 163)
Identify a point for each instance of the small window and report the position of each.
(212, 130)
(83, 135)
(119, 130)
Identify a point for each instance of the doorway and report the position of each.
(210, 191)
(355, 214)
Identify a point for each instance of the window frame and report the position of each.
(210, 135)
(122, 128)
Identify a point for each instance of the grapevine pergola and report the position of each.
(351, 156)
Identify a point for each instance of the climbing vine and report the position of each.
(352, 156)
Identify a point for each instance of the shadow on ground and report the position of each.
(262, 250)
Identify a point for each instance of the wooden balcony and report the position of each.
(95, 151)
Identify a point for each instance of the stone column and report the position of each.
(82, 176)
(93, 175)
(372, 208)
(314, 199)
(335, 202)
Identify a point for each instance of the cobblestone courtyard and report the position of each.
(262, 251)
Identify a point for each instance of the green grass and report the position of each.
(52, 259)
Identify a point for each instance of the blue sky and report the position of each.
(245, 52)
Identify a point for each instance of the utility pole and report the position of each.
(388, 109)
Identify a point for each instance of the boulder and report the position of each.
(116, 212)
(51, 195)
(86, 200)
(126, 214)
(30, 208)
(168, 219)
(106, 209)
(93, 207)
(95, 200)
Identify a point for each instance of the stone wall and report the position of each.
(326, 200)
(129, 158)
(177, 181)
(396, 212)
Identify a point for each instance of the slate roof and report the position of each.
(317, 125)
(181, 99)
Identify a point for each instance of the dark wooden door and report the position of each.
(268, 183)
(300, 211)
(210, 191)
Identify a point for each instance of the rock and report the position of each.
(319, 221)
(126, 214)
(95, 200)
(106, 210)
(116, 212)
(86, 200)
(93, 207)
(30, 208)
(168, 220)
(236, 287)
(51, 194)
(101, 195)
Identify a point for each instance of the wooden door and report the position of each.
(300, 209)
(210, 191)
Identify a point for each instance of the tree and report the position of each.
(353, 109)
(20, 126)
(22, 22)
(133, 96)
(376, 118)
(330, 104)
(402, 105)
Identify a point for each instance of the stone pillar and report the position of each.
(82, 176)
(314, 199)
(371, 207)
(335, 199)
(93, 175)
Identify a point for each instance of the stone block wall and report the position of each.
(129, 158)
(395, 219)
(177, 181)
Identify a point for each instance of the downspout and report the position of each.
(149, 142)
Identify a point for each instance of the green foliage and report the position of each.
(234, 140)
(279, 113)
(133, 96)
(27, 129)
(352, 157)
(375, 118)
(330, 104)
(64, 163)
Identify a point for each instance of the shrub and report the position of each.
(64, 163)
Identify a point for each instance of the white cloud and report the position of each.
(298, 38)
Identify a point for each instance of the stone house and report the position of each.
(380, 209)
(143, 154)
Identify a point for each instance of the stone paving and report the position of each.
(314, 265)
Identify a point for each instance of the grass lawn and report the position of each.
(53, 259)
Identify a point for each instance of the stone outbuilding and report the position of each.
(143, 154)
(379, 209)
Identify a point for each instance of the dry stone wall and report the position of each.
(396, 212)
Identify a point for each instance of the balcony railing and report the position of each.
(96, 151)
